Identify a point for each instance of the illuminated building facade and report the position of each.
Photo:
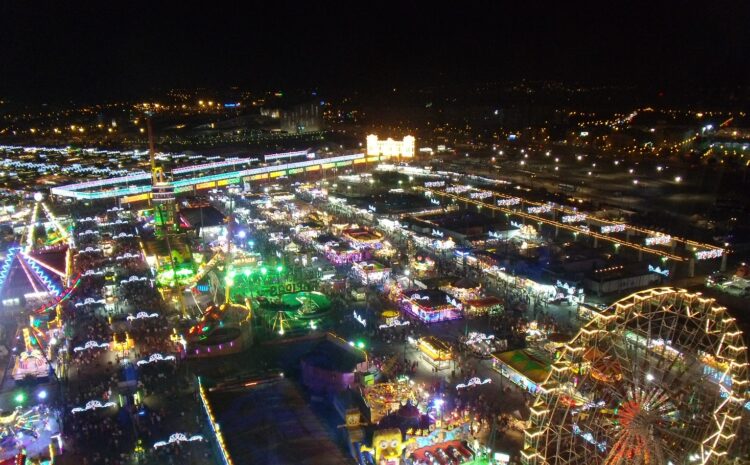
(390, 147)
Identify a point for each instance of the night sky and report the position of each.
(110, 50)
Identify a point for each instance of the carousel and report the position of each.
(385, 398)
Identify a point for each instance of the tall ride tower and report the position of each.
(162, 192)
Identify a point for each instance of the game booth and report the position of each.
(430, 305)
(526, 368)
(435, 352)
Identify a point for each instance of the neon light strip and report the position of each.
(46, 280)
(44, 265)
(72, 190)
(278, 156)
(28, 275)
(105, 182)
(32, 227)
(5, 269)
(64, 296)
(218, 164)
(56, 223)
(214, 425)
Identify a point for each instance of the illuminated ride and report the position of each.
(19, 424)
(294, 312)
(220, 324)
(50, 284)
(660, 377)
(388, 447)
(31, 363)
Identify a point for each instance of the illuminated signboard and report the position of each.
(657, 270)
(574, 218)
(659, 240)
(611, 228)
(539, 209)
(709, 254)
(360, 319)
(286, 155)
(480, 195)
(509, 202)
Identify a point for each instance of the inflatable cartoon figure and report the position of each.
(388, 446)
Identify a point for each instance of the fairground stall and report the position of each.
(483, 306)
(371, 272)
(535, 332)
(435, 352)
(526, 368)
(363, 238)
(482, 345)
(430, 305)
(423, 266)
(391, 319)
(446, 440)
(463, 289)
(341, 254)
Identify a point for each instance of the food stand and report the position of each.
(435, 352)
(525, 367)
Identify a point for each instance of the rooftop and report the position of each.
(268, 422)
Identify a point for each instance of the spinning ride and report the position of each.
(658, 378)
(295, 312)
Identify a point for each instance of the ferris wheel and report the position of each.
(660, 377)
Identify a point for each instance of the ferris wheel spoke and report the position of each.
(652, 371)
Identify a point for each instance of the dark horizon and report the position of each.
(131, 50)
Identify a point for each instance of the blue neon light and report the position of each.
(46, 280)
(7, 263)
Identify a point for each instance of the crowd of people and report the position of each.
(119, 433)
